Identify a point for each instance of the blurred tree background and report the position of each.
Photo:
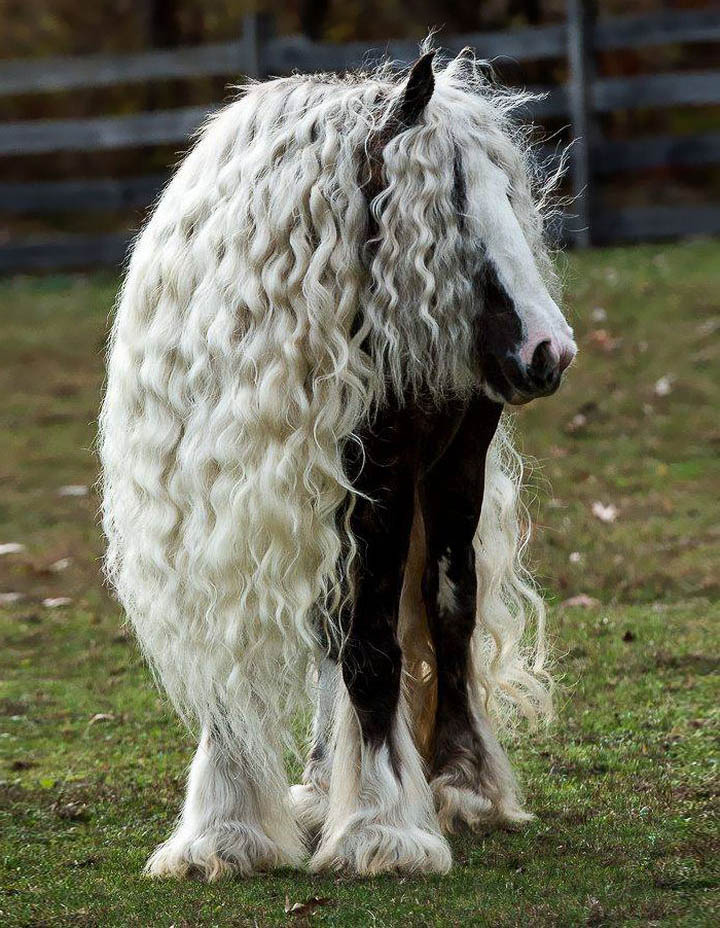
(57, 27)
(36, 28)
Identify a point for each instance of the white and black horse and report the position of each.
(306, 467)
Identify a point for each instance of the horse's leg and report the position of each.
(380, 815)
(472, 780)
(234, 821)
(310, 798)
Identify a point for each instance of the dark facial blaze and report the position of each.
(499, 333)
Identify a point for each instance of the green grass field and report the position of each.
(92, 761)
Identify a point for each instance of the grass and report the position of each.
(92, 761)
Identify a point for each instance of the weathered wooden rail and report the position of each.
(259, 53)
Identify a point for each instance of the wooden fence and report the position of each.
(260, 53)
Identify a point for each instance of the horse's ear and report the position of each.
(404, 113)
(416, 93)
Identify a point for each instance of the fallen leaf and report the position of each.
(307, 907)
(596, 913)
(56, 602)
(586, 412)
(576, 424)
(102, 717)
(582, 600)
(664, 385)
(555, 503)
(603, 340)
(71, 811)
(709, 327)
(11, 547)
(87, 862)
(73, 489)
(605, 513)
(57, 566)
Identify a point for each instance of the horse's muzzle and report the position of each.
(541, 377)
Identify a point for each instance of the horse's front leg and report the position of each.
(380, 811)
(472, 780)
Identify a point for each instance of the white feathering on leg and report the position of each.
(310, 798)
(379, 821)
(226, 826)
(477, 791)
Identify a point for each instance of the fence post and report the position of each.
(257, 29)
(580, 52)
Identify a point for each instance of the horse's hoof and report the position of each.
(467, 807)
(233, 849)
(366, 849)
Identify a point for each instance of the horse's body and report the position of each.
(305, 465)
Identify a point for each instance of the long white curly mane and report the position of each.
(255, 332)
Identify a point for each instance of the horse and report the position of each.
(310, 492)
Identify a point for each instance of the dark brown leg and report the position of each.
(371, 663)
(471, 776)
(381, 520)
(380, 815)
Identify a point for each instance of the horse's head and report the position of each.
(521, 341)
(524, 342)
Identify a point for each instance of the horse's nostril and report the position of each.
(543, 364)
(541, 373)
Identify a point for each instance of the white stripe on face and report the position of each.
(500, 236)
